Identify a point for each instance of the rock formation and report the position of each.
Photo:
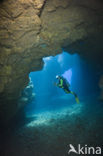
(32, 29)
(27, 95)
(101, 87)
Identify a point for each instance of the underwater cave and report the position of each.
(47, 97)
(51, 77)
(53, 118)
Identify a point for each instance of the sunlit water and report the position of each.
(53, 119)
(49, 99)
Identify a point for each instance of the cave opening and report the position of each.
(47, 97)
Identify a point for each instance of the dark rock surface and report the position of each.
(32, 29)
(101, 87)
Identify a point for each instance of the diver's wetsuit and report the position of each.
(65, 86)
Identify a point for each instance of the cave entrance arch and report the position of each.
(48, 97)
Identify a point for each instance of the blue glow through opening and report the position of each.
(68, 75)
(71, 67)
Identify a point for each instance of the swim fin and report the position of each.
(77, 100)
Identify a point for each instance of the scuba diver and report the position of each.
(62, 83)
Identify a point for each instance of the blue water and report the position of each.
(53, 119)
(48, 97)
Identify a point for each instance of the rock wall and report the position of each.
(32, 29)
(101, 87)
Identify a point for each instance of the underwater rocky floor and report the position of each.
(50, 133)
